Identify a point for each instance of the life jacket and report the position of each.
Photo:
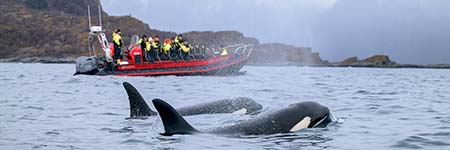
(167, 47)
(185, 48)
(224, 52)
(113, 35)
(177, 40)
(117, 39)
(140, 42)
(147, 46)
(155, 45)
(144, 44)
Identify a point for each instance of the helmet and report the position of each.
(167, 40)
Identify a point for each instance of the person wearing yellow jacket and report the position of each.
(224, 52)
(145, 45)
(185, 49)
(117, 41)
(178, 40)
(152, 51)
(167, 46)
(174, 53)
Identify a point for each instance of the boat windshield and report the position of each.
(134, 40)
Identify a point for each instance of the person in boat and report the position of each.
(145, 45)
(174, 55)
(117, 41)
(224, 51)
(167, 46)
(215, 52)
(178, 40)
(155, 47)
(183, 47)
(185, 50)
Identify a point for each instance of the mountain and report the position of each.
(37, 30)
(43, 28)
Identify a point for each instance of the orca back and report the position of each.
(222, 106)
(140, 110)
(306, 114)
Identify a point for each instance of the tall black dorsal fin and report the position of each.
(138, 106)
(173, 122)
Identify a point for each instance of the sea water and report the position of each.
(43, 106)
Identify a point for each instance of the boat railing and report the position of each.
(203, 52)
(244, 50)
(241, 49)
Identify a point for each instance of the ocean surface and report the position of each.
(42, 106)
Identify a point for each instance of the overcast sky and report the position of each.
(410, 31)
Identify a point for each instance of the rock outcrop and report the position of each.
(348, 61)
(382, 61)
(374, 61)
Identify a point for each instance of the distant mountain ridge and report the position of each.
(41, 29)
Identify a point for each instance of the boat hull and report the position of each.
(220, 65)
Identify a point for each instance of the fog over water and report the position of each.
(410, 31)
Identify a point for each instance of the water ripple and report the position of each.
(121, 130)
(418, 142)
(46, 109)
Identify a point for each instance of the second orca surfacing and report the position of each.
(140, 110)
(290, 119)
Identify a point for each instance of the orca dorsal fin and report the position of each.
(138, 106)
(173, 122)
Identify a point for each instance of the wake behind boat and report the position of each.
(134, 61)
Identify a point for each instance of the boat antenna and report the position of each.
(89, 16)
(89, 37)
(100, 15)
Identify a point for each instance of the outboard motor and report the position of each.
(86, 65)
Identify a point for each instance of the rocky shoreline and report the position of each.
(47, 60)
(382, 61)
(429, 66)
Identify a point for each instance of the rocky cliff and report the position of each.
(282, 54)
(54, 28)
(39, 30)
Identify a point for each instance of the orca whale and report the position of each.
(242, 105)
(290, 119)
